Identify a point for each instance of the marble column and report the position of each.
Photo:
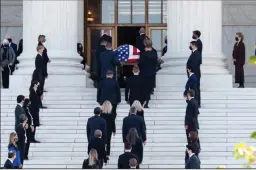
(58, 21)
(183, 18)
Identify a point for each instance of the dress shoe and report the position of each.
(35, 141)
(43, 107)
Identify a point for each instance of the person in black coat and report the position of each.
(123, 159)
(37, 77)
(137, 144)
(101, 48)
(21, 133)
(147, 64)
(108, 61)
(139, 110)
(41, 41)
(92, 162)
(191, 83)
(40, 65)
(109, 89)
(194, 63)
(14, 47)
(96, 122)
(193, 162)
(192, 112)
(193, 140)
(9, 162)
(140, 40)
(98, 144)
(134, 89)
(20, 48)
(35, 103)
(110, 120)
(134, 121)
(196, 36)
(19, 109)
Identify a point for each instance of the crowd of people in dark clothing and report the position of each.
(27, 111)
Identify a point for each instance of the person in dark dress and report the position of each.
(194, 62)
(193, 140)
(123, 159)
(9, 162)
(134, 121)
(109, 89)
(147, 65)
(110, 120)
(134, 89)
(98, 144)
(239, 59)
(92, 162)
(137, 144)
(96, 122)
(41, 41)
(34, 107)
(191, 117)
(191, 83)
(193, 162)
(21, 133)
(139, 110)
(140, 40)
(13, 147)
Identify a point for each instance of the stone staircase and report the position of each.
(227, 118)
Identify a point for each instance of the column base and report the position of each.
(207, 81)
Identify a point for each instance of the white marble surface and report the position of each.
(15, 32)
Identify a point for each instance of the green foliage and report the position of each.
(253, 135)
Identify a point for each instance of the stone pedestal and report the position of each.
(183, 18)
(58, 21)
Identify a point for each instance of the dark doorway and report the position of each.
(126, 35)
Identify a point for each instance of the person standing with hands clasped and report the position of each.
(239, 59)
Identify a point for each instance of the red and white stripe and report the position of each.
(134, 54)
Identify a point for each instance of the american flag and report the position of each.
(128, 53)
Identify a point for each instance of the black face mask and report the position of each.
(10, 40)
(236, 38)
(165, 41)
(190, 48)
(5, 45)
(194, 37)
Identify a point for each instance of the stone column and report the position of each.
(58, 21)
(183, 18)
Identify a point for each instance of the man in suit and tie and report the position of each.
(192, 112)
(191, 83)
(134, 121)
(109, 89)
(193, 161)
(196, 37)
(19, 109)
(123, 160)
(96, 122)
(9, 162)
(41, 41)
(140, 40)
(134, 89)
(15, 49)
(194, 62)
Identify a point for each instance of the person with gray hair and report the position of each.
(21, 133)
(134, 121)
(98, 144)
(7, 59)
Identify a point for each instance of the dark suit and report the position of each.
(191, 117)
(99, 145)
(96, 123)
(35, 103)
(86, 165)
(193, 163)
(191, 84)
(20, 48)
(20, 130)
(134, 89)
(123, 160)
(14, 47)
(134, 121)
(239, 55)
(109, 89)
(30, 135)
(18, 111)
(140, 42)
(111, 128)
(40, 67)
(8, 164)
(194, 62)
(99, 51)
(196, 150)
(200, 48)
(46, 59)
(108, 61)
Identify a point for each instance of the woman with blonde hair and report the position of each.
(13, 147)
(92, 162)
(139, 110)
(110, 120)
(239, 59)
